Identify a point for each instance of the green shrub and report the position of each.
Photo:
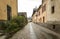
(14, 24)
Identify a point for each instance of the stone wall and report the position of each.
(56, 15)
(53, 27)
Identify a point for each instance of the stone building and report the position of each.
(8, 9)
(22, 14)
(49, 11)
(53, 11)
(34, 15)
(41, 14)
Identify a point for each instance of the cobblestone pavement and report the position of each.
(34, 31)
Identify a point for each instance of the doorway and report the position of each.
(8, 12)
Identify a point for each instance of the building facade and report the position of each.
(34, 15)
(8, 9)
(53, 11)
(49, 11)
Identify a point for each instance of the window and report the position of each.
(8, 12)
(36, 15)
(43, 19)
(52, 9)
(53, 26)
(44, 8)
(39, 13)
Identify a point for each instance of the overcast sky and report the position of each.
(27, 6)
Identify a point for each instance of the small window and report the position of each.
(53, 26)
(43, 19)
(36, 15)
(52, 9)
(44, 8)
(39, 13)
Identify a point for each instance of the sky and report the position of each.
(27, 6)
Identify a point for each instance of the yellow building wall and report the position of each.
(42, 14)
(3, 8)
(40, 17)
(34, 18)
